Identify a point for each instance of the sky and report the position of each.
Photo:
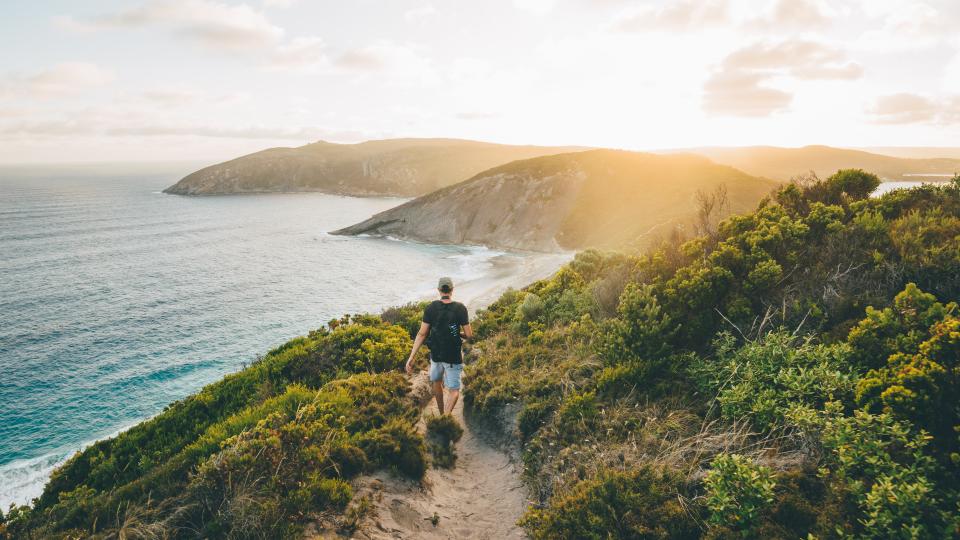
(159, 80)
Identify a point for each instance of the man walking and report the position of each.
(443, 320)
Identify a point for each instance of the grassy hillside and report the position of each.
(786, 163)
(795, 373)
(402, 167)
(596, 198)
(254, 455)
(791, 373)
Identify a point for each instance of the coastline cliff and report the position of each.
(594, 198)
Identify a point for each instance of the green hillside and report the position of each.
(791, 373)
(795, 373)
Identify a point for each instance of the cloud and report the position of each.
(684, 14)
(537, 7)
(366, 58)
(172, 96)
(801, 58)
(419, 13)
(793, 13)
(109, 125)
(742, 94)
(906, 25)
(476, 115)
(906, 108)
(301, 52)
(235, 28)
(741, 84)
(279, 3)
(228, 132)
(61, 80)
(182, 95)
(400, 64)
(214, 24)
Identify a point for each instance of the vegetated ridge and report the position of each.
(786, 163)
(793, 372)
(395, 167)
(595, 198)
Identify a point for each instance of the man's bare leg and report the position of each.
(452, 401)
(438, 393)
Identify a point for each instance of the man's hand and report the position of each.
(409, 366)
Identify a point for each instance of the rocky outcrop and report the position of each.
(597, 198)
(399, 167)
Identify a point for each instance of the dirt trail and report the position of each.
(481, 497)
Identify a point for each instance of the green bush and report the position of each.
(738, 491)
(396, 446)
(639, 504)
(642, 331)
(530, 309)
(761, 381)
(879, 465)
(442, 432)
(922, 388)
(896, 329)
(532, 417)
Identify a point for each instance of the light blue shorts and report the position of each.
(450, 373)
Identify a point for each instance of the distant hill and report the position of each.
(596, 198)
(921, 152)
(400, 167)
(785, 163)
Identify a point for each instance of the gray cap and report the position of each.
(445, 282)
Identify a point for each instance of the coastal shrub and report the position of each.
(532, 417)
(579, 409)
(443, 431)
(738, 491)
(365, 345)
(899, 328)
(444, 427)
(762, 380)
(293, 462)
(638, 504)
(879, 465)
(262, 469)
(408, 316)
(928, 244)
(802, 505)
(922, 387)
(396, 446)
(641, 332)
(357, 348)
(530, 309)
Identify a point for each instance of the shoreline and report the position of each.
(510, 270)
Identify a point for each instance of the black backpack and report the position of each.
(445, 341)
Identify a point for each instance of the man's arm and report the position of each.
(421, 336)
(468, 331)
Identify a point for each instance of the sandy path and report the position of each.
(481, 497)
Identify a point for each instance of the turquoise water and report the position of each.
(116, 299)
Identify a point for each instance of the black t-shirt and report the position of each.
(458, 315)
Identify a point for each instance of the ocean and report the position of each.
(116, 299)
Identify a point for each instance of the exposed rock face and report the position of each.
(402, 167)
(597, 198)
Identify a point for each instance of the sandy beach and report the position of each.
(510, 270)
